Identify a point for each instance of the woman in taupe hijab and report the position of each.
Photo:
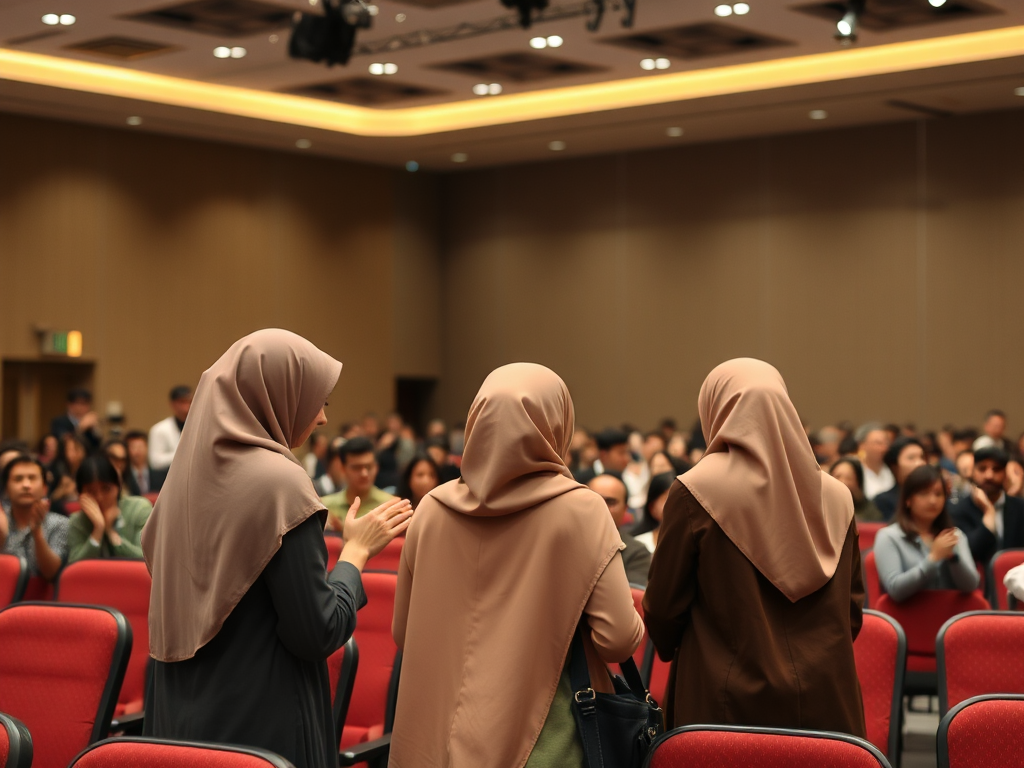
(497, 569)
(755, 591)
(243, 614)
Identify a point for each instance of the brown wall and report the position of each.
(879, 268)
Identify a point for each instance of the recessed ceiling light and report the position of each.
(480, 89)
(400, 17)
(556, 146)
(51, 18)
(460, 157)
(67, 19)
(818, 114)
(647, 64)
(134, 120)
(390, 68)
(303, 143)
(662, 63)
(377, 68)
(538, 42)
(723, 10)
(555, 41)
(238, 53)
(936, 3)
(222, 52)
(1019, 91)
(273, 38)
(675, 132)
(740, 9)
(412, 166)
(494, 89)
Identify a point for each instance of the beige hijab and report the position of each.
(234, 488)
(496, 570)
(760, 482)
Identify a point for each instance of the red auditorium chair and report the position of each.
(366, 734)
(730, 746)
(15, 743)
(1001, 562)
(38, 589)
(13, 579)
(150, 497)
(342, 666)
(880, 651)
(982, 732)
(334, 544)
(872, 584)
(655, 674)
(921, 618)
(980, 653)
(60, 672)
(389, 557)
(866, 533)
(123, 584)
(135, 752)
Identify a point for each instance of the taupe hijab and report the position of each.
(760, 482)
(234, 488)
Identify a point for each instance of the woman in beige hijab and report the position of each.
(243, 614)
(496, 571)
(755, 592)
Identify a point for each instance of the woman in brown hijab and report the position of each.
(755, 592)
(496, 571)
(243, 614)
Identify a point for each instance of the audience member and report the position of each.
(315, 461)
(524, 548)
(826, 445)
(637, 473)
(612, 455)
(990, 518)
(872, 443)
(69, 458)
(902, 457)
(749, 532)
(662, 462)
(80, 419)
(994, 428)
(667, 427)
(647, 530)
(333, 480)
(165, 435)
(46, 450)
(109, 524)
(30, 529)
(436, 428)
(360, 473)
(439, 451)
(923, 549)
(9, 449)
(635, 557)
(116, 451)
(420, 477)
(849, 472)
(141, 478)
(848, 447)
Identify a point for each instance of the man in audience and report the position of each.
(80, 419)
(825, 443)
(30, 529)
(613, 455)
(333, 480)
(360, 471)
(873, 441)
(994, 428)
(164, 435)
(437, 448)
(989, 518)
(636, 557)
(904, 456)
(144, 477)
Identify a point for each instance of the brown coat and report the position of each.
(741, 652)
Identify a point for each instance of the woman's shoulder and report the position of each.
(892, 532)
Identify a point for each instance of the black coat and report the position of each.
(967, 517)
(887, 501)
(61, 425)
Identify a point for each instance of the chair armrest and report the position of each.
(368, 751)
(129, 725)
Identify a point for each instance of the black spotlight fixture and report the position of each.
(526, 9)
(329, 37)
(846, 27)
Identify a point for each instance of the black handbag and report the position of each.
(616, 729)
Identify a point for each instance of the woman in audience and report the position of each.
(71, 455)
(755, 590)
(850, 473)
(243, 613)
(646, 531)
(495, 573)
(109, 524)
(420, 477)
(662, 462)
(922, 549)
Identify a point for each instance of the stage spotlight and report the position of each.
(525, 9)
(846, 27)
(330, 37)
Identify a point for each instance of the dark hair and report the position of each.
(404, 489)
(995, 412)
(21, 458)
(609, 438)
(858, 470)
(438, 441)
(112, 442)
(136, 434)
(355, 447)
(97, 469)
(667, 423)
(62, 450)
(968, 434)
(77, 394)
(14, 445)
(921, 479)
(848, 445)
(892, 456)
(180, 392)
(659, 484)
(991, 453)
(678, 465)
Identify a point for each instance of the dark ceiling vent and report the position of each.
(224, 18)
(366, 91)
(519, 67)
(886, 15)
(698, 41)
(122, 48)
(35, 37)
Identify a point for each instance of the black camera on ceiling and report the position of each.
(331, 36)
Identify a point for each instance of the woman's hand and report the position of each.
(91, 509)
(943, 545)
(367, 535)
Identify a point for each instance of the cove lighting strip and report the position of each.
(846, 64)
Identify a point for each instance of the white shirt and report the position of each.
(647, 539)
(877, 482)
(1014, 582)
(163, 442)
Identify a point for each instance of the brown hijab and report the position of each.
(234, 488)
(760, 482)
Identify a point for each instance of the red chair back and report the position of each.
(125, 585)
(389, 557)
(159, 753)
(38, 589)
(880, 651)
(60, 671)
(998, 566)
(334, 544)
(341, 672)
(980, 653)
(866, 533)
(150, 497)
(872, 584)
(372, 708)
(725, 746)
(982, 732)
(13, 579)
(15, 743)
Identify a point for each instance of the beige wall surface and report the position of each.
(879, 268)
(164, 251)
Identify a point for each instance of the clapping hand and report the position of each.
(366, 536)
(943, 545)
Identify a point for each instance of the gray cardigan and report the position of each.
(904, 568)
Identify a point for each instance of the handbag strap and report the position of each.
(579, 673)
(584, 700)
